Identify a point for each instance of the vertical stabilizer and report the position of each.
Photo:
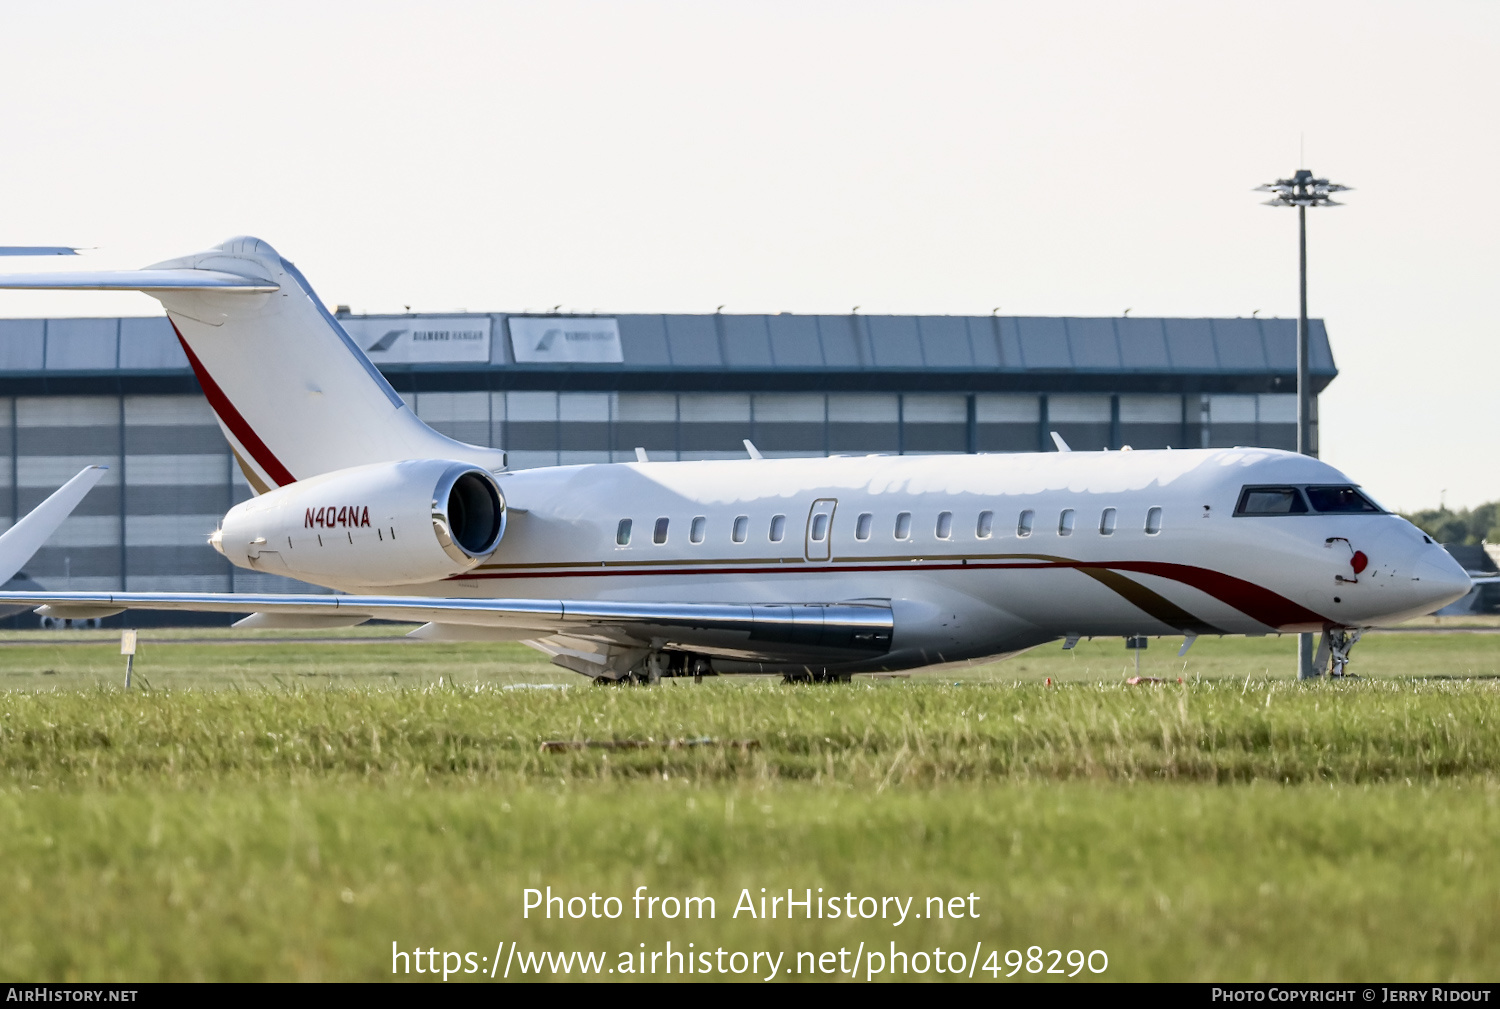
(22, 540)
(295, 396)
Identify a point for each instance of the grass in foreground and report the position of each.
(863, 735)
(294, 823)
(1275, 883)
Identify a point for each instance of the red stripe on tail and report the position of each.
(232, 419)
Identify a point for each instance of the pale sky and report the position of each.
(943, 158)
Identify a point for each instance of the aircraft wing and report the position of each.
(829, 630)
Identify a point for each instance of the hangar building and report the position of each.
(558, 389)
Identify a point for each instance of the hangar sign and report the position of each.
(555, 339)
(426, 339)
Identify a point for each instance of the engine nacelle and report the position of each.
(391, 523)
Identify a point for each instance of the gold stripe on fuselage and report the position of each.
(587, 566)
(254, 479)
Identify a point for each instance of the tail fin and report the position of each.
(295, 396)
(26, 537)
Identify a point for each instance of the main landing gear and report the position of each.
(657, 666)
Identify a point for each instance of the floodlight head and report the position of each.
(1302, 190)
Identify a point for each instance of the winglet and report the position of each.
(1057, 440)
(23, 539)
(754, 452)
(640, 455)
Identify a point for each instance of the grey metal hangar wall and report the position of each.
(555, 389)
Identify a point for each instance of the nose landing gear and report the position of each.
(1336, 645)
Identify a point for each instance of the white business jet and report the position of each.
(813, 568)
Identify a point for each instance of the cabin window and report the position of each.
(696, 530)
(944, 525)
(622, 533)
(659, 535)
(985, 526)
(1107, 522)
(903, 526)
(862, 526)
(1271, 501)
(741, 528)
(819, 528)
(1065, 522)
(1343, 500)
(778, 528)
(1023, 524)
(1153, 521)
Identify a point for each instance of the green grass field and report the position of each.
(286, 807)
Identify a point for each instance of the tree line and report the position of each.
(1470, 526)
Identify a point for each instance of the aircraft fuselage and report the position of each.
(978, 555)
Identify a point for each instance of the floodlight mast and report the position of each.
(1302, 190)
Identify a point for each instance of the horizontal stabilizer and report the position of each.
(137, 280)
(37, 250)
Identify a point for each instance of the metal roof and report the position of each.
(725, 351)
(963, 343)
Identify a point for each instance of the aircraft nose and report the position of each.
(1439, 579)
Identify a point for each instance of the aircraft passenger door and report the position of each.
(820, 528)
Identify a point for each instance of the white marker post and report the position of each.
(127, 649)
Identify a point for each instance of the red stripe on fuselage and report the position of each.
(233, 420)
(1268, 607)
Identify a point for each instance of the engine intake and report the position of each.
(468, 513)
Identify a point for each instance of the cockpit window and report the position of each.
(1327, 499)
(1340, 499)
(1271, 501)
